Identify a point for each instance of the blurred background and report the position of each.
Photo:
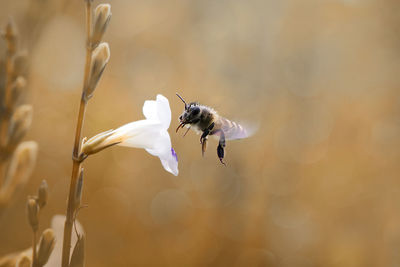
(317, 184)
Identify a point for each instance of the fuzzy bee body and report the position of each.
(206, 121)
(206, 117)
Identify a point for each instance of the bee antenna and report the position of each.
(182, 100)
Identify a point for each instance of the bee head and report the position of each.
(191, 113)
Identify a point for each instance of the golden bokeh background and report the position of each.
(316, 185)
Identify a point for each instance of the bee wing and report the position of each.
(233, 130)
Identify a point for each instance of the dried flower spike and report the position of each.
(101, 56)
(46, 246)
(10, 35)
(33, 210)
(102, 16)
(42, 194)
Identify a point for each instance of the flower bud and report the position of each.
(21, 121)
(42, 194)
(102, 16)
(78, 255)
(46, 246)
(24, 261)
(20, 65)
(20, 168)
(23, 162)
(16, 89)
(33, 210)
(78, 191)
(10, 34)
(101, 56)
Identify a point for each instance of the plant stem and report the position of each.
(77, 162)
(34, 257)
(2, 175)
(74, 178)
(6, 99)
(4, 121)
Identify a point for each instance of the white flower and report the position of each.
(150, 134)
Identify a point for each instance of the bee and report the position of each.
(206, 121)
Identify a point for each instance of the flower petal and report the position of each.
(162, 149)
(150, 134)
(158, 110)
(140, 134)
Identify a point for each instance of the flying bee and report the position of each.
(206, 121)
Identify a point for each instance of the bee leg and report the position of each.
(203, 142)
(206, 132)
(203, 146)
(220, 148)
(203, 138)
(220, 152)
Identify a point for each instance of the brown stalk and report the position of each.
(7, 93)
(7, 96)
(34, 243)
(77, 161)
(4, 123)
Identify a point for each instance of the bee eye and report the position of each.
(195, 111)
